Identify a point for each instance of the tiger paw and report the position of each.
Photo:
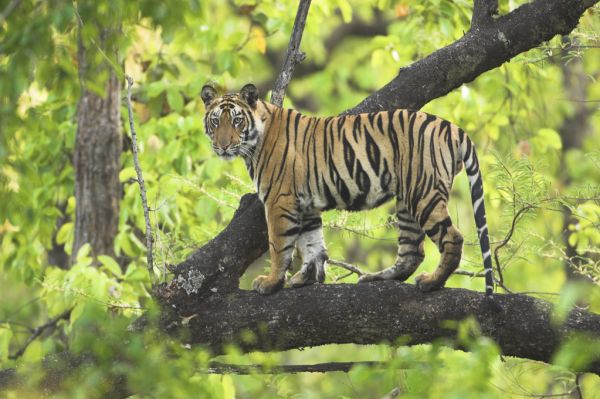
(301, 279)
(266, 285)
(426, 283)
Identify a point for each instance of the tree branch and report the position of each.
(293, 56)
(140, 180)
(371, 313)
(476, 52)
(39, 331)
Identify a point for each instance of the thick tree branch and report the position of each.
(375, 312)
(475, 53)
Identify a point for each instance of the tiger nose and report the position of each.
(223, 144)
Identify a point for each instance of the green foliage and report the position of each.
(514, 113)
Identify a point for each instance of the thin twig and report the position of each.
(346, 266)
(293, 55)
(224, 368)
(39, 331)
(140, 179)
(507, 238)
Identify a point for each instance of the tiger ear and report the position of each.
(208, 94)
(249, 93)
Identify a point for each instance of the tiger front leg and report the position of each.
(283, 225)
(314, 254)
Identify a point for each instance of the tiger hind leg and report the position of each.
(314, 254)
(410, 249)
(449, 241)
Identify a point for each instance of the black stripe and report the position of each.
(409, 241)
(291, 231)
(373, 152)
(331, 202)
(296, 124)
(386, 177)
(380, 122)
(428, 209)
(371, 117)
(394, 137)
(349, 156)
(311, 224)
(411, 228)
(441, 227)
(356, 128)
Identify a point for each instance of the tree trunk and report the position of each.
(572, 132)
(98, 149)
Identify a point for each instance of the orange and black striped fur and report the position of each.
(304, 165)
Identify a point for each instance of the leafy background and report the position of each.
(513, 113)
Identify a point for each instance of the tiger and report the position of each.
(303, 165)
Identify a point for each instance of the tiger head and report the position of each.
(232, 121)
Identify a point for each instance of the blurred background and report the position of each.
(535, 122)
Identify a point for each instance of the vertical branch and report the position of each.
(140, 178)
(293, 55)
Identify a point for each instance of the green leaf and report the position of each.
(111, 265)
(136, 273)
(34, 352)
(174, 99)
(345, 9)
(65, 231)
(154, 89)
(127, 173)
(82, 254)
(76, 313)
(546, 139)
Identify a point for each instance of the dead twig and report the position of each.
(36, 332)
(140, 179)
(347, 266)
(293, 55)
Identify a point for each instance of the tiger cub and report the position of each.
(303, 165)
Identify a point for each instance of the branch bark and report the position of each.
(140, 178)
(483, 13)
(371, 313)
(203, 302)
